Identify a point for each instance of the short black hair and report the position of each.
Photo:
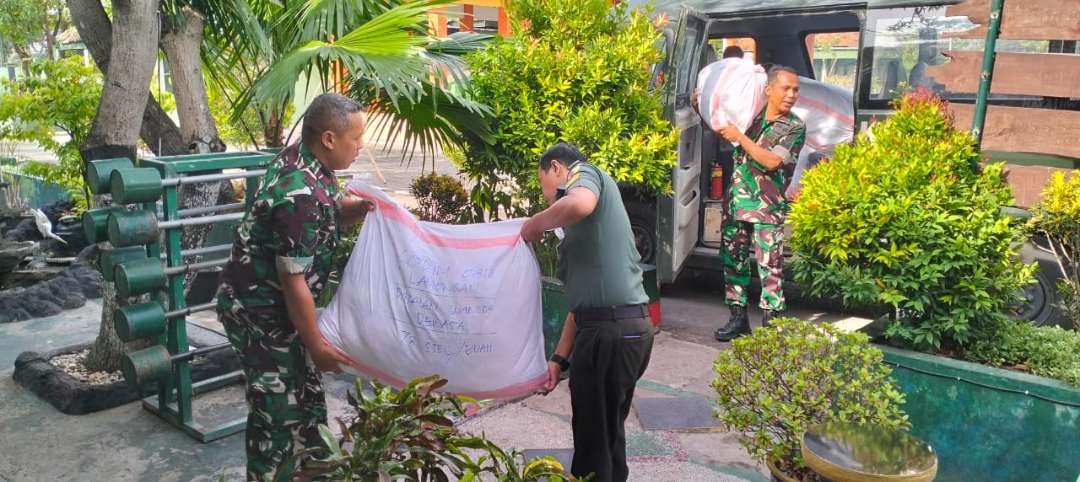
(776, 69)
(733, 51)
(328, 112)
(563, 152)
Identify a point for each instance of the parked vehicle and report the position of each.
(872, 47)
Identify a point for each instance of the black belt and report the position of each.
(611, 313)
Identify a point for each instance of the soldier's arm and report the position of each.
(301, 306)
(582, 195)
(353, 209)
(563, 349)
(767, 158)
(578, 204)
(787, 147)
(295, 223)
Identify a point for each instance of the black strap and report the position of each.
(611, 313)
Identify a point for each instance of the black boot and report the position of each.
(770, 315)
(738, 325)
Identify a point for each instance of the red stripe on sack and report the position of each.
(397, 213)
(825, 109)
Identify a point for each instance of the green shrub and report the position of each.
(775, 383)
(1047, 351)
(58, 94)
(1058, 217)
(577, 71)
(902, 218)
(442, 199)
(409, 434)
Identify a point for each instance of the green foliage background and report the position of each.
(59, 94)
(1046, 351)
(904, 218)
(577, 71)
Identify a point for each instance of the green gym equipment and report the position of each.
(144, 227)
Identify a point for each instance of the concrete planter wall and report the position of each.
(987, 423)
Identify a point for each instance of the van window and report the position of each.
(928, 48)
(747, 44)
(834, 57)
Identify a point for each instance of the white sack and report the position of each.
(829, 114)
(731, 90)
(420, 298)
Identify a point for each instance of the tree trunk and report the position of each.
(181, 38)
(158, 131)
(108, 349)
(119, 117)
(24, 59)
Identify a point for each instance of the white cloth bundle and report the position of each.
(829, 114)
(420, 298)
(731, 90)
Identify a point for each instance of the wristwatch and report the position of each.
(563, 363)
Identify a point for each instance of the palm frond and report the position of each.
(437, 118)
(446, 55)
(383, 49)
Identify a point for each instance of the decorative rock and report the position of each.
(62, 390)
(88, 255)
(26, 230)
(40, 307)
(67, 290)
(13, 253)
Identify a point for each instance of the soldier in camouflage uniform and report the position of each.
(764, 162)
(280, 262)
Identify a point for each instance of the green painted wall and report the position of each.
(990, 434)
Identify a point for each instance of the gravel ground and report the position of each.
(72, 363)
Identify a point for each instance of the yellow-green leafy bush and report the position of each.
(578, 70)
(904, 218)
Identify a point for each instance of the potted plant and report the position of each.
(410, 434)
(776, 382)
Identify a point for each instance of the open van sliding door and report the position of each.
(678, 214)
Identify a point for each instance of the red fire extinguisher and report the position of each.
(716, 188)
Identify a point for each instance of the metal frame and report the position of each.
(175, 396)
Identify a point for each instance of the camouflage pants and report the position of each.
(285, 396)
(769, 250)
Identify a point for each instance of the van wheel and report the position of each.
(643, 225)
(1038, 300)
(1037, 303)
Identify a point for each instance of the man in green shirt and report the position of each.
(608, 328)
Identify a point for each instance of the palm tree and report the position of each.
(391, 62)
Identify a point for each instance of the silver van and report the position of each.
(871, 47)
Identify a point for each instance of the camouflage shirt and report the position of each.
(290, 227)
(757, 195)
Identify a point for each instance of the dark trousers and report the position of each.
(608, 359)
